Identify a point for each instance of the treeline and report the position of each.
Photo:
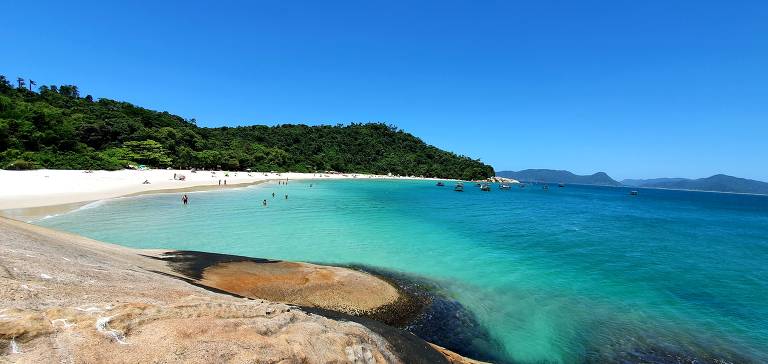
(57, 128)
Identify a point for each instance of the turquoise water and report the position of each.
(564, 275)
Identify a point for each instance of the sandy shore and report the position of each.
(45, 187)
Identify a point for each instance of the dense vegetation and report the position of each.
(56, 128)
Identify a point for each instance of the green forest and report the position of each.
(56, 128)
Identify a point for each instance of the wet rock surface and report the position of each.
(433, 316)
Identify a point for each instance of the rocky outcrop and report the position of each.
(340, 289)
(64, 298)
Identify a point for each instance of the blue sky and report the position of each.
(633, 88)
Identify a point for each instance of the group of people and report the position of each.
(185, 198)
(264, 203)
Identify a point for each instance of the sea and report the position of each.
(572, 274)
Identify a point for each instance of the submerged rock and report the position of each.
(432, 315)
(646, 350)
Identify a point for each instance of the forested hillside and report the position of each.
(57, 128)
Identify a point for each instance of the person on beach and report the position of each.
(219, 182)
(185, 199)
(225, 182)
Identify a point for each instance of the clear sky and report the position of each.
(633, 88)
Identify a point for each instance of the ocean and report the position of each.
(577, 274)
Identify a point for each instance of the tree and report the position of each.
(69, 91)
(148, 152)
(55, 128)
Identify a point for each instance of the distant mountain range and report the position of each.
(718, 183)
(555, 176)
(650, 181)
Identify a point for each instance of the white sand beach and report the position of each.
(45, 187)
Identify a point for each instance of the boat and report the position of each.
(546, 187)
(440, 184)
(633, 193)
(478, 185)
(459, 187)
(504, 187)
(560, 185)
(485, 187)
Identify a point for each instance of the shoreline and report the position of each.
(30, 214)
(31, 195)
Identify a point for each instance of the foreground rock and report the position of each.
(64, 298)
(334, 288)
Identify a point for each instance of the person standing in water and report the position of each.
(185, 199)
(286, 197)
(273, 195)
(264, 203)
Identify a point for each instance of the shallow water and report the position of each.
(574, 274)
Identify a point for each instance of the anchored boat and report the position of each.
(459, 187)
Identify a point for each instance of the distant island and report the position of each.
(56, 128)
(716, 183)
(559, 176)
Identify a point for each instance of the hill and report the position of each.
(641, 182)
(717, 183)
(559, 176)
(56, 128)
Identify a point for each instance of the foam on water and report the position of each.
(575, 274)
